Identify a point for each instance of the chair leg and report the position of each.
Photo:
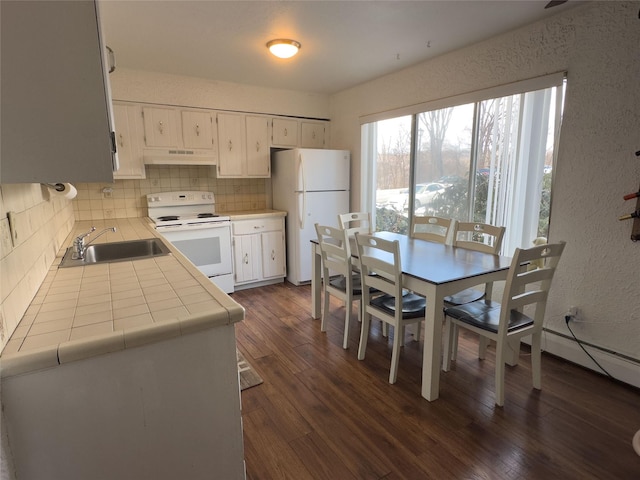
(536, 360)
(482, 347)
(385, 329)
(500, 367)
(450, 330)
(364, 335)
(347, 322)
(395, 354)
(416, 336)
(325, 312)
(454, 340)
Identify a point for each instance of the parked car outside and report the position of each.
(425, 193)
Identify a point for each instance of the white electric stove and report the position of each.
(188, 220)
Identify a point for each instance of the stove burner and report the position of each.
(207, 215)
(168, 218)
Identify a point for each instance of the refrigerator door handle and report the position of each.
(303, 212)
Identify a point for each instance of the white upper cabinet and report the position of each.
(55, 114)
(258, 146)
(160, 126)
(231, 144)
(179, 136)
(312, 134)
(129, 141)
(284, 132)
(198, 129)
(244, 147)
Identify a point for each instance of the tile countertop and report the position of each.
(81, 312)
(252, 214)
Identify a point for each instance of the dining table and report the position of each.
(433, 270)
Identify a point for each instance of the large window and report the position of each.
(489, 161)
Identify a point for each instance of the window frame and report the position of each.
(369, 141)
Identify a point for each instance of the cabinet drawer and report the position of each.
(247, 227)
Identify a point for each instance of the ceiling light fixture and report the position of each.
(283, 48)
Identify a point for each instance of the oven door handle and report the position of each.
(193, 226)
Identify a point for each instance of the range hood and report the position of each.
(179, 156)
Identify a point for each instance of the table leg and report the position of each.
(316, 281)
(431, 357)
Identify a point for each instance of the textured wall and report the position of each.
(598, 45)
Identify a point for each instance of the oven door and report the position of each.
(206, 245)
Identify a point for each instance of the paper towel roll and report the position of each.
(65, 190)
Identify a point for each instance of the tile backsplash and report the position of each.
(127, 198)
(29, 243)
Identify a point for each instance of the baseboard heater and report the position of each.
(620, 366)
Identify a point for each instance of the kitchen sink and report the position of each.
(116, 252)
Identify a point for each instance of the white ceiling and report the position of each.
(344, 43)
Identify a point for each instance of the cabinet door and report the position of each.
(258, 151)
(284, 132)
(312, 134)
(56, 123)
(127, 120)
(230, 145)
(160, 127)
(197, 130)
(246, 253)
(273, 254)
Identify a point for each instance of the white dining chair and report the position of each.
(480, 237)
(434, 229)
(345, 284)
(507, 321)
(355, 222)
(382, 270)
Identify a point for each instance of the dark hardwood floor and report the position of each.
(322, 414)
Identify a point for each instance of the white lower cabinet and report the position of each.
(259, 251)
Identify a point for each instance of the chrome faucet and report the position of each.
(79, 246)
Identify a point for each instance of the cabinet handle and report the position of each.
(313, 135)
(256, 227)
(285, 132)
(257, 146)
(161, 127)
(197, 130)
(230, 145)
(121, 142)
(246, 259)
(273, 254)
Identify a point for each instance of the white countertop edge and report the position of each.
(253, 214)
(74, 350)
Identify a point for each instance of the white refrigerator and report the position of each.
(312, 186)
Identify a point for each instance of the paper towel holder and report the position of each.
(58, 187)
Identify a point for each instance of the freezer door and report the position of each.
(318, 207)
(322, 170)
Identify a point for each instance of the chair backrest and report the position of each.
(481, 237)
(353, 222)
(335, 251)
(529, 288)
(434, 229)
(380, 264)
